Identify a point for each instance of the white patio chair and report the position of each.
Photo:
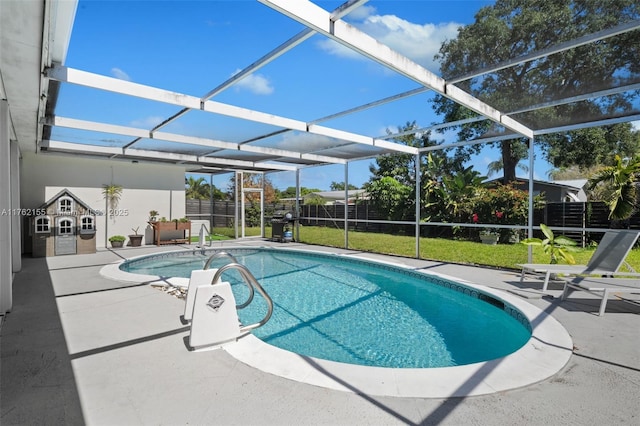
(606, 260)
(601, 287)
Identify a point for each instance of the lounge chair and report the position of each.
(606, 260)
(601, 287)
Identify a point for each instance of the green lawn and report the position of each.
(467, 252)
(439, 249)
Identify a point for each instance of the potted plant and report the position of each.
(182, 224)
(136, 239)
(488, 236)
(153, 215)
(117, 241)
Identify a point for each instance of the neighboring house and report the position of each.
(556, 191)
(337, 197)
(63, 225)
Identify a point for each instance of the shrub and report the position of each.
(503, 205)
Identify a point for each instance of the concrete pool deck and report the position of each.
(82, 349)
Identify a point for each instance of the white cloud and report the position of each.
(147, 123)
(255, 83)
(362, 12)
(118, 73)
(418, 42)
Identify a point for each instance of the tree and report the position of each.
(591, 147)
(197, 189)
(497, 165)
(339, 186)
(290, 192)
(434, 167)
(622, 179)
(389, 197)
(515, 28)
(254, 180)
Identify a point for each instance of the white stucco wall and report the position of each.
(146, 186)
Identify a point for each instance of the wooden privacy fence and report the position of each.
(362, 217)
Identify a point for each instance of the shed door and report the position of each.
(65, 236)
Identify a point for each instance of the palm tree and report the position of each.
(196, 188)
(623, 179)
(495, 166)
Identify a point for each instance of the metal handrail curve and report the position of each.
(217, 255)
(252, 283)
(233, 260)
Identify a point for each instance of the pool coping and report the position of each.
(545, 353)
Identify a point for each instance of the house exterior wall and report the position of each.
(6, 273)
(146, 186)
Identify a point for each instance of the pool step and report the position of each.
(214, 317)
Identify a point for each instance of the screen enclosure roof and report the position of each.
(220, 128)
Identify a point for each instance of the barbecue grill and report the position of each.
(282, 223)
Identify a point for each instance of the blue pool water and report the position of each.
(359, 312)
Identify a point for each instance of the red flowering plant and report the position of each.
(503, 205)
(489, 231)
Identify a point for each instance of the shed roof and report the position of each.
(65, 192)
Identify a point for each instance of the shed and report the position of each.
(554, 191)
(63, 225)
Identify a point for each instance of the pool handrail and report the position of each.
(233, 260)
(217, 255)
(252, 283)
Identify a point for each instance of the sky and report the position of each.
(192, 47)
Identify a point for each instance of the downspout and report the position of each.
(346, 205)
(297, 237)
(530, 218)
(418, 184)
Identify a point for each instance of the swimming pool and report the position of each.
(359, 312)
(545, 353)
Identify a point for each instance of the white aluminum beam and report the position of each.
(70, 75)
(371, 104)
(93, 126)
(54, 145)
(578, 98)
(340, 134)
(251, 115)
(83, 78)
(58, 146)
(435, 127)
(589, 124)
(266, 59)
(472, 142)
(192, 140)
(294, 41)
(96, 81)
(183, 139)
(269, 57)
(381, 143)
(321, 21)
(363, 140)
